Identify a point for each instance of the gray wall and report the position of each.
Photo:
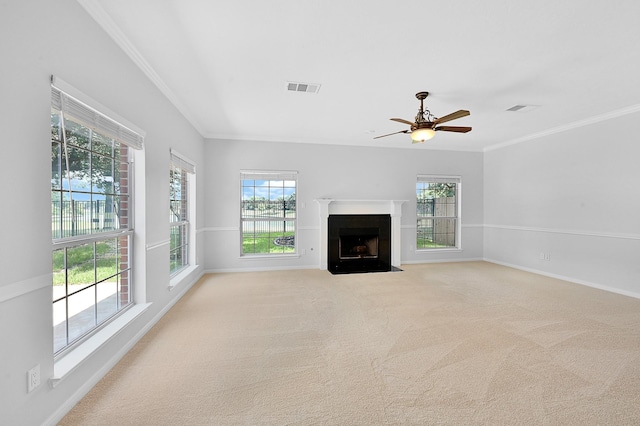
(339, 172)
(41, 38)
(573, 196)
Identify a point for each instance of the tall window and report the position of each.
(268, 212)
(438, 207)
(91, 219)
(179, 213)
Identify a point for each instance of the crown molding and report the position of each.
(97, 12)
(573, 125)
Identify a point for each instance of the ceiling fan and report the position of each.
(426, 125)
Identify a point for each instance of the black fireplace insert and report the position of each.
(359, 243)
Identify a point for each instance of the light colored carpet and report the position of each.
(453, 343)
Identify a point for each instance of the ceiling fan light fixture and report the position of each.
(421, 135)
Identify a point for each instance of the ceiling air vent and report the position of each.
(522, 108)
(303, 87)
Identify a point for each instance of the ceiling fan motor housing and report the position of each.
(422, 125)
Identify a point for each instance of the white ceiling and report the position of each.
(225, 65)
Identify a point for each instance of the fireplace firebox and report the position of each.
(359, 243)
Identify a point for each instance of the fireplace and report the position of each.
(359, 243)
(348, 207)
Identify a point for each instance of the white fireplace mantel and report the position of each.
(329, 206)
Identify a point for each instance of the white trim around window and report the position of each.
(439, 221)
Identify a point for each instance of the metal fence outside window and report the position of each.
(71, 217)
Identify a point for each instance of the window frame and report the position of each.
(288, 222)
(185, 223)
(119, 228)
(455, 217)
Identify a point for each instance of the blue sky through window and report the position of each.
(267, 189)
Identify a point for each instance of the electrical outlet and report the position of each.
(547, 257)
(33, 378)
(542, 255)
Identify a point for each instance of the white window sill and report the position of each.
(181, 276)
(76, 356)
(439, 249)
(268, 256)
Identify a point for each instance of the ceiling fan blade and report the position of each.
(458, 129)
(389, 134)
(452, 116)
(400, 120)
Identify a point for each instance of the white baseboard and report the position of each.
(261, 269)
(304, 267)
(566, 278)
(417, 262)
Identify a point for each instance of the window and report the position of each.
(268, 213)
(91, 218)
(438, 207)
(179, 212)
